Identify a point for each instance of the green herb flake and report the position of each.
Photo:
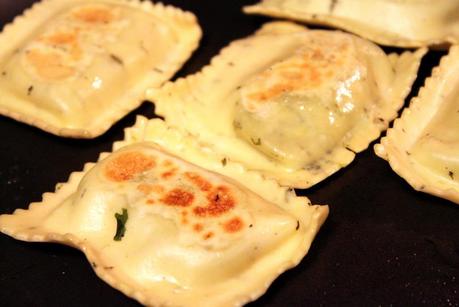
(256, 141)
(224, 161)
(121, 220)
(116, 59)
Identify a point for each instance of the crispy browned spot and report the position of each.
(126, 165)
(305, 72)
(184, 219)
(169, 173)
(147, 188)
(208, 235)
(178, 197)
(219, 201)
(49, 65)
(233, 225)
(94, 15)
(198, 227)
(197, 180)
(61, 38)
(67, 39)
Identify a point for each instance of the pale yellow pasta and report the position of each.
(297, 113)
(168, 232)
(423, 145)
(401, 23)
(74, 67)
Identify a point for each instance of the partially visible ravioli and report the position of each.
(170, 233)
(401, 23)
(74, 67)
(423, 145)
(297, 113)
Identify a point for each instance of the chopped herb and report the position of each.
(297, 225)
(3, 73)
(408, 153)
(159, 71)
(251, 225)
(381, 119)
(237, 125)
(422, 187)
(94, 265)
(121, 220)
(256, 141)
(350, 149)
(239, 87)
(451, 174)
(332, 6)
(83, 193)
(142, 46)
(230, 64)
(224, 161)
(108, 267)
(29, 90)
(117, 59)
(313, 167)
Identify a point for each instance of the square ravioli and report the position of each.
(168, 232)
(297, 113)
(75, 67)
(423, 145)
(404, 23)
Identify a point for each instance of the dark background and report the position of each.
(384, 244)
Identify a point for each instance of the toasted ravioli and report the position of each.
(170, 233)
(423, 145)
(74, 67)
(297, 113)
(401, 23)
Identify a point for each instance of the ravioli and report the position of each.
(168, 232)
(400, 23)
(297, 113)
(74, 67)
(423, 145)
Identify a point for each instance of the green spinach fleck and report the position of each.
(121, 220)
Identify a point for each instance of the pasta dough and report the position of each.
(168, 232)
(74, 67)
(297, 113)
(401, 23)
(423, 145)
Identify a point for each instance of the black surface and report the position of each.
(383, 244)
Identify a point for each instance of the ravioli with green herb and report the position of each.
(297, 113)
(170, 233)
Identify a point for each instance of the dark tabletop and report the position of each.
(383, 244)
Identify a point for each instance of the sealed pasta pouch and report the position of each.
(169, 223)
(75, 67)
(400, 23)
(423, 145)
(297, 113)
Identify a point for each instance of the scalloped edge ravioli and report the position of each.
(413, 125)
(243, 287)
(21, 105)
(199, 103)
(403, 23)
